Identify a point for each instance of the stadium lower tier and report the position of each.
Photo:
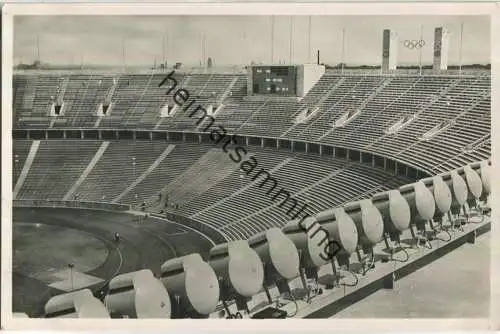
(278, 273)
(202, 183)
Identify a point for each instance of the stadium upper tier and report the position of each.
(201, 181)
(438, 122)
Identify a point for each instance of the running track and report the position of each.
(145, 244)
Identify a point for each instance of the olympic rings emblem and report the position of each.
(414, 44)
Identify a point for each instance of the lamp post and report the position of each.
(16, 162)
(71, 266)
(133, 168)
(241, 178)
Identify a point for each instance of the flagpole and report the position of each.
(124, 56)
(244, 47)
(461, 44)
(167, 49)
(163, 50)
(272, 39)
(38, 48)
(342, 51)
(309, 40)
(291, 40)
(420, 50)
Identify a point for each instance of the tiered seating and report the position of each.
(115, 170)
(206, 89)
(57, 166)
(243, 202)
(20, 150)
(321, 91)
(393, 101)
(129, 93)
(382, 100)
(270, 119)
(322, 183)
(233, 202)
(37, 94)
(238, 91)
(468, 129)
(82, 96)
(343, 184)
(233, 116)
(208, 170)
(168, 170)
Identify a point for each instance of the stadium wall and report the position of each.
(391, 165)
(28, 203)
(207, 230)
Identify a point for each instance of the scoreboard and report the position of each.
(274, 80)
(282, 80)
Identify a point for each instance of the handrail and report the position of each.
(49, 203)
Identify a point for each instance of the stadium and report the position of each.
(268, 189)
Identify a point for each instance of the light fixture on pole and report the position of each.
(71, 266)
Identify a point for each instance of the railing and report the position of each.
(39, 203)
(284, 144)
(209, 231)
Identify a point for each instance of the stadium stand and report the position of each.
(381, 99)
(324, 182)
(363, 135)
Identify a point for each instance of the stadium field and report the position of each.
(46, 241)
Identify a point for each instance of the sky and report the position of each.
(234, 40)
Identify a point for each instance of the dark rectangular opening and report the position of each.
(340, 153)
(366, 158)
(108, 135)
(313, 148)
(327, 150)
(125, 135)
(254, 141)
(412, 173)
(270, 142)
(158, 135)
(142, 135)
(401, 170)
(391, 166)
(192, 138)
(176, 136)
(300, 146)
(73, 134)
(239, 141)
(205, 138)
(379, 162)
(354, 155)
(19, 134)
(55, 134)
(285, 144)
(37, 134)
(421, 174)
(93, 134)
